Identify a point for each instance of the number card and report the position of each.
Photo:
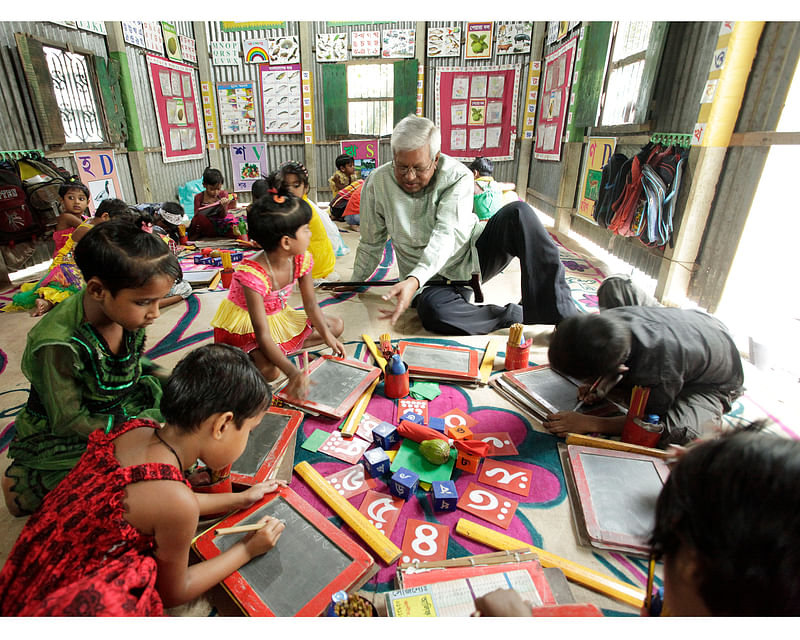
(424, 541)
(488, 505)
(351, 481)
(382, 510)
(420, 407)
(506, 476)
(366, 425)
(457, 418)
(349, 450)
(500, 444)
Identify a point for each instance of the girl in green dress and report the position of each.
(84, 360)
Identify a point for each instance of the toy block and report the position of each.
(467, 462)
(436, 423)
(410, 416)
(403, 483)
(385, 435)
(445, 495)
(376, 462)
(458, 433)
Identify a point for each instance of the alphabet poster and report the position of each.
(476, 110)
(598, 153)
(178, 109)
(97, 169)
(249, 163)
(554, 102)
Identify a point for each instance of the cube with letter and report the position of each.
(385, 435)
(467, 462)
(445, 495)
(436, 423)
(376, 462)
(412, 417)
(403, 483)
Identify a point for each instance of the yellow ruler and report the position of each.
(385, 548)
(590, 578)
(487, 364)
(374, 351)
(350, 425)
(603, 443)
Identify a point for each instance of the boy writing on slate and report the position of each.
(686, 358)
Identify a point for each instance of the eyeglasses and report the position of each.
(404, 171)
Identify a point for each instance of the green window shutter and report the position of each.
(405, 88)
(40, 85)
(652, 62)
(334, 99)
(108, 73)
(595, 52)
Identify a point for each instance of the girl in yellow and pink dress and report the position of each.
(256, 316)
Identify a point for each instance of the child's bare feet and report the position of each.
(41, 307)
(353, 227)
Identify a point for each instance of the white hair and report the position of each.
(414, 132)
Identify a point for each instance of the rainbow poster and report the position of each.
(255, 51)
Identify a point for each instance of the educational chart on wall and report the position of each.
(188, 49)
(331, 47)
(364, 154)
(478, 40)
(281, 100)
(210, 114)
(555, 102)
(177, 105)
(236, 104)
(398, 43)
(598, 153)
(133, 33)
(224, 53)
(97, 169)
(171, 42)
(531, 99)
(514, 37)
(284, 50)
(444, 42)
(476, 109)
(153, 40)
(93, 26)
(365, 43)
(249, 163)
(256, 50)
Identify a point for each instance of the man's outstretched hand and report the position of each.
(403, 291)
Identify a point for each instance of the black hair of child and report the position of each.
(212, 177)
(114, 207)
(124, 256)
(343, 160)
(211, 379)
(483, 166)
(169, 207)
(589, 345)
(294, 168)
(73, 183)
(274, 216)
(259, 188)
(734, 501)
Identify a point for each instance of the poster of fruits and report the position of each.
(479, 40)
(171, 42)
(177, 105)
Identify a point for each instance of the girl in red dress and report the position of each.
(113, 537)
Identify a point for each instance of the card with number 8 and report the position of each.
(424, 541)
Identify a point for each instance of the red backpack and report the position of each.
(17, 222)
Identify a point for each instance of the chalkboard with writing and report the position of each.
(311, 560)
(266, 446)
(444, 361)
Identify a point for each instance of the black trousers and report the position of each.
(513, 232)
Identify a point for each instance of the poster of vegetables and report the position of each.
(514, 37)
(171, 41)
(281, 100)
(444, 42)
(479, 40)
(398, 43)
(331, 47)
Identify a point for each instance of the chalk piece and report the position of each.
(315, 440)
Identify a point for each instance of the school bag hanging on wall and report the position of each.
(41, 180)
(17, 222)
(612, 182)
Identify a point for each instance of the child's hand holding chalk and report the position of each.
(265, 538)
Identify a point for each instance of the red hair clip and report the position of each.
(279, 199)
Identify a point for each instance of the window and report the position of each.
(370, 99)
(635, 56)
(73, 90)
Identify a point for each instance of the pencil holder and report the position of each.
(227, 277)
(396, 385)
(517, 355)
(642, 431)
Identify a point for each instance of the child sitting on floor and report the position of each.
(113, 537)
(685, 357)
(344, 175)
(255, 316)
(727, 523)
(211, 218)
(346, 205)
(84, 360)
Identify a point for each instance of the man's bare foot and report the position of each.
(353, 227)
(41, 307)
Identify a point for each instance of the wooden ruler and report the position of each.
(385, 548)
(487, 364)
(350, 425)
(603, 443)
(374, 351)
(590, 578)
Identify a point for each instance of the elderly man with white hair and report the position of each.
(423, 202)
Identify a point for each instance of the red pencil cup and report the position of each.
(396, 385)
(227, 276)
(517, 355)
(639, 431)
